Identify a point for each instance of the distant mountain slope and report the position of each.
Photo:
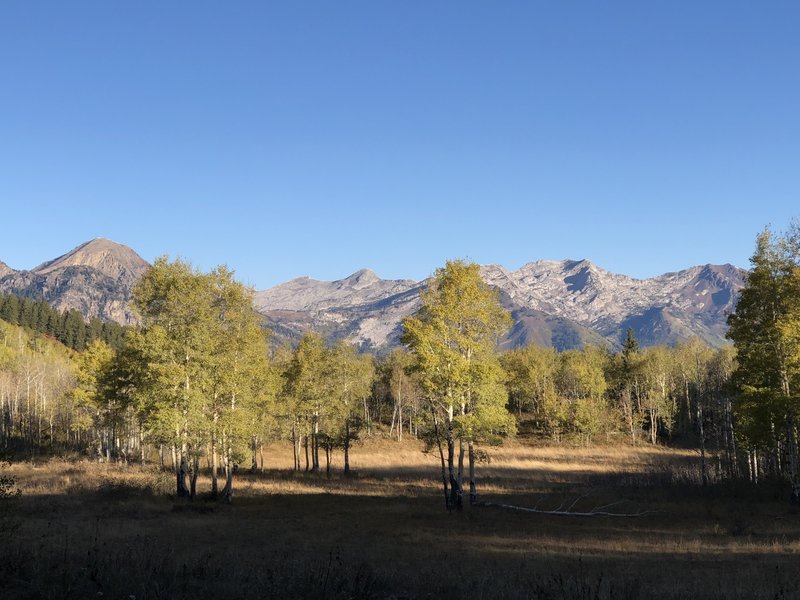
(362, 308)
(304, 293)
(96, 278)
(663, 309)
(109, 258)
(564, 304)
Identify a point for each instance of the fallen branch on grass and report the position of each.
(567, 511)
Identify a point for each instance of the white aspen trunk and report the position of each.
(228, 477)
(438, 435)
(791, 450)
(400, 410)
(193, 480)
(394, 415)
(295, 449)
(755, 466)
(315, 445)
(776, 446)
(734, 451)
(455, 493)
(214, 461)
(227, 458)
(347, 448)
(182, 492)
(473, 488)
(460, 477)
(703, 473)
(653, 426)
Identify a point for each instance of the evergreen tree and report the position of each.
(630, 348)
(10, 310)
(43, 311)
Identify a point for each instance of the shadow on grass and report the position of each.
(118, 540)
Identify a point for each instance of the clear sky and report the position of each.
(316, 138)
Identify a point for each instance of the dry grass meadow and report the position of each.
(86, 530)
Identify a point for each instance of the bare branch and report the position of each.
(599, 511)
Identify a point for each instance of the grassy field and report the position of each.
(84, 530)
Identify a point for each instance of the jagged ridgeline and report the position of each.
(564, 304)
(68, 327)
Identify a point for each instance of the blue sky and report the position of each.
(316, 138)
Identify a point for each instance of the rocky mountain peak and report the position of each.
(362, 278)
(5, 269)
(108, 257)
(309, 294)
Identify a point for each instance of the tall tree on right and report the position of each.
(765, 329)
(453, 338)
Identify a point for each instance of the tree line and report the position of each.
(197, 385)
(68, 327)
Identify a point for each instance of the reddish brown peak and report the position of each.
(107, 256)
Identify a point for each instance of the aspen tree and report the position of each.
(453, 338)
(174, 303)
(765, 329)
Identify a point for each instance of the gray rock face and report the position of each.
(565, 304)
(96, 278)
(661, 310)
(362, 308)
(306, 294)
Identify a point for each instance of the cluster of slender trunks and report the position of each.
(453, 472)
(308, 440)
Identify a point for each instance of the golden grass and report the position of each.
(388, 520)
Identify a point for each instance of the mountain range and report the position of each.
(564, 304)
(96, 278)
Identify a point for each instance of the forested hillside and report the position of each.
(68, 327)
(37, 376)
